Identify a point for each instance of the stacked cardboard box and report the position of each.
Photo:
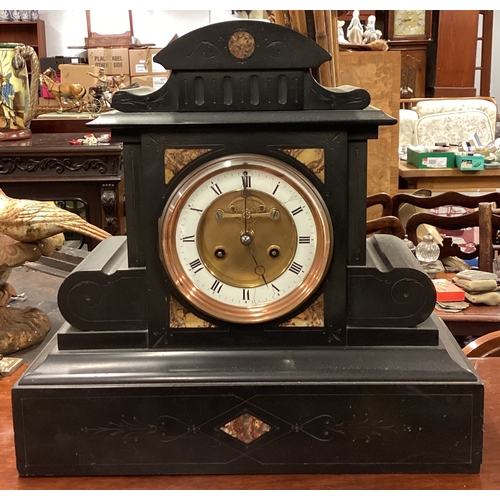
(79, 73)
(144, 71)
(113, 60)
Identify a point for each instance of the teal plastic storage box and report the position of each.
(469, 163)
(430, 159)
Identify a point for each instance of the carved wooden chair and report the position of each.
(486, 218)
(386, 223)
(486, 346)
(451, 198)
(383, 199)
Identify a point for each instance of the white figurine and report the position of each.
(340, 32)
(355, 29)
(371, 34)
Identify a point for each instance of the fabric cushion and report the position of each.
(407, 121)
(424, 108)
(453, 127)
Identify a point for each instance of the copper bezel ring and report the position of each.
(245, 314)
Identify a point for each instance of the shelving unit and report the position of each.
(30, 33)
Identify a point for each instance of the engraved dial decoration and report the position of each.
(246, 238)
(409, 22)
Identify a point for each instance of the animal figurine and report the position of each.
(21, 327)
(63, 92)
(30, 221)
(28, 230)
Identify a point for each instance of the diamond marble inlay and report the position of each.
(246, 428)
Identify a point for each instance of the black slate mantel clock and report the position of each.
(246, 324)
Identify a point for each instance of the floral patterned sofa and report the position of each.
(428, 121)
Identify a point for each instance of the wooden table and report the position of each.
(488, 478)
(67, 122)
(48, 167)
(474, 321)
(447, 179)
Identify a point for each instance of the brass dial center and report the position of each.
(256, 232)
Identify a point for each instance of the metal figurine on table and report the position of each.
(73, 93)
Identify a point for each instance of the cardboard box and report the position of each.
(113, 60)
(154, 81)
(54, 62)
(430, 159)
(141, 62)
(79, 73)
(446, 291)
(470, 163)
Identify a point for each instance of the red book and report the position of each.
(446, 291)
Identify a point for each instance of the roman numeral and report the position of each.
(216, 287)
(188, 239)
(246, 294)
(304, 240)
(196, 265)
(297, 211)
(196, 209)
(216, 189)
(276, 188)
(276, 288)
(246, 180)
(295, 268)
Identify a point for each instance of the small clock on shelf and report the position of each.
(409, 24)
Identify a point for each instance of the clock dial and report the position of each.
(246, 238)
(409, 22)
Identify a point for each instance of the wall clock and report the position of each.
(409, 24)
(409, 31)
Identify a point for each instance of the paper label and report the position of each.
(435, 161)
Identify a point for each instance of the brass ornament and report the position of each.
(220, 228)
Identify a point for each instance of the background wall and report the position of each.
(68, 28)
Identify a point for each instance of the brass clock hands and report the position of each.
(258, 270)
(245, 180)
(247, 238)
(221, 214)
